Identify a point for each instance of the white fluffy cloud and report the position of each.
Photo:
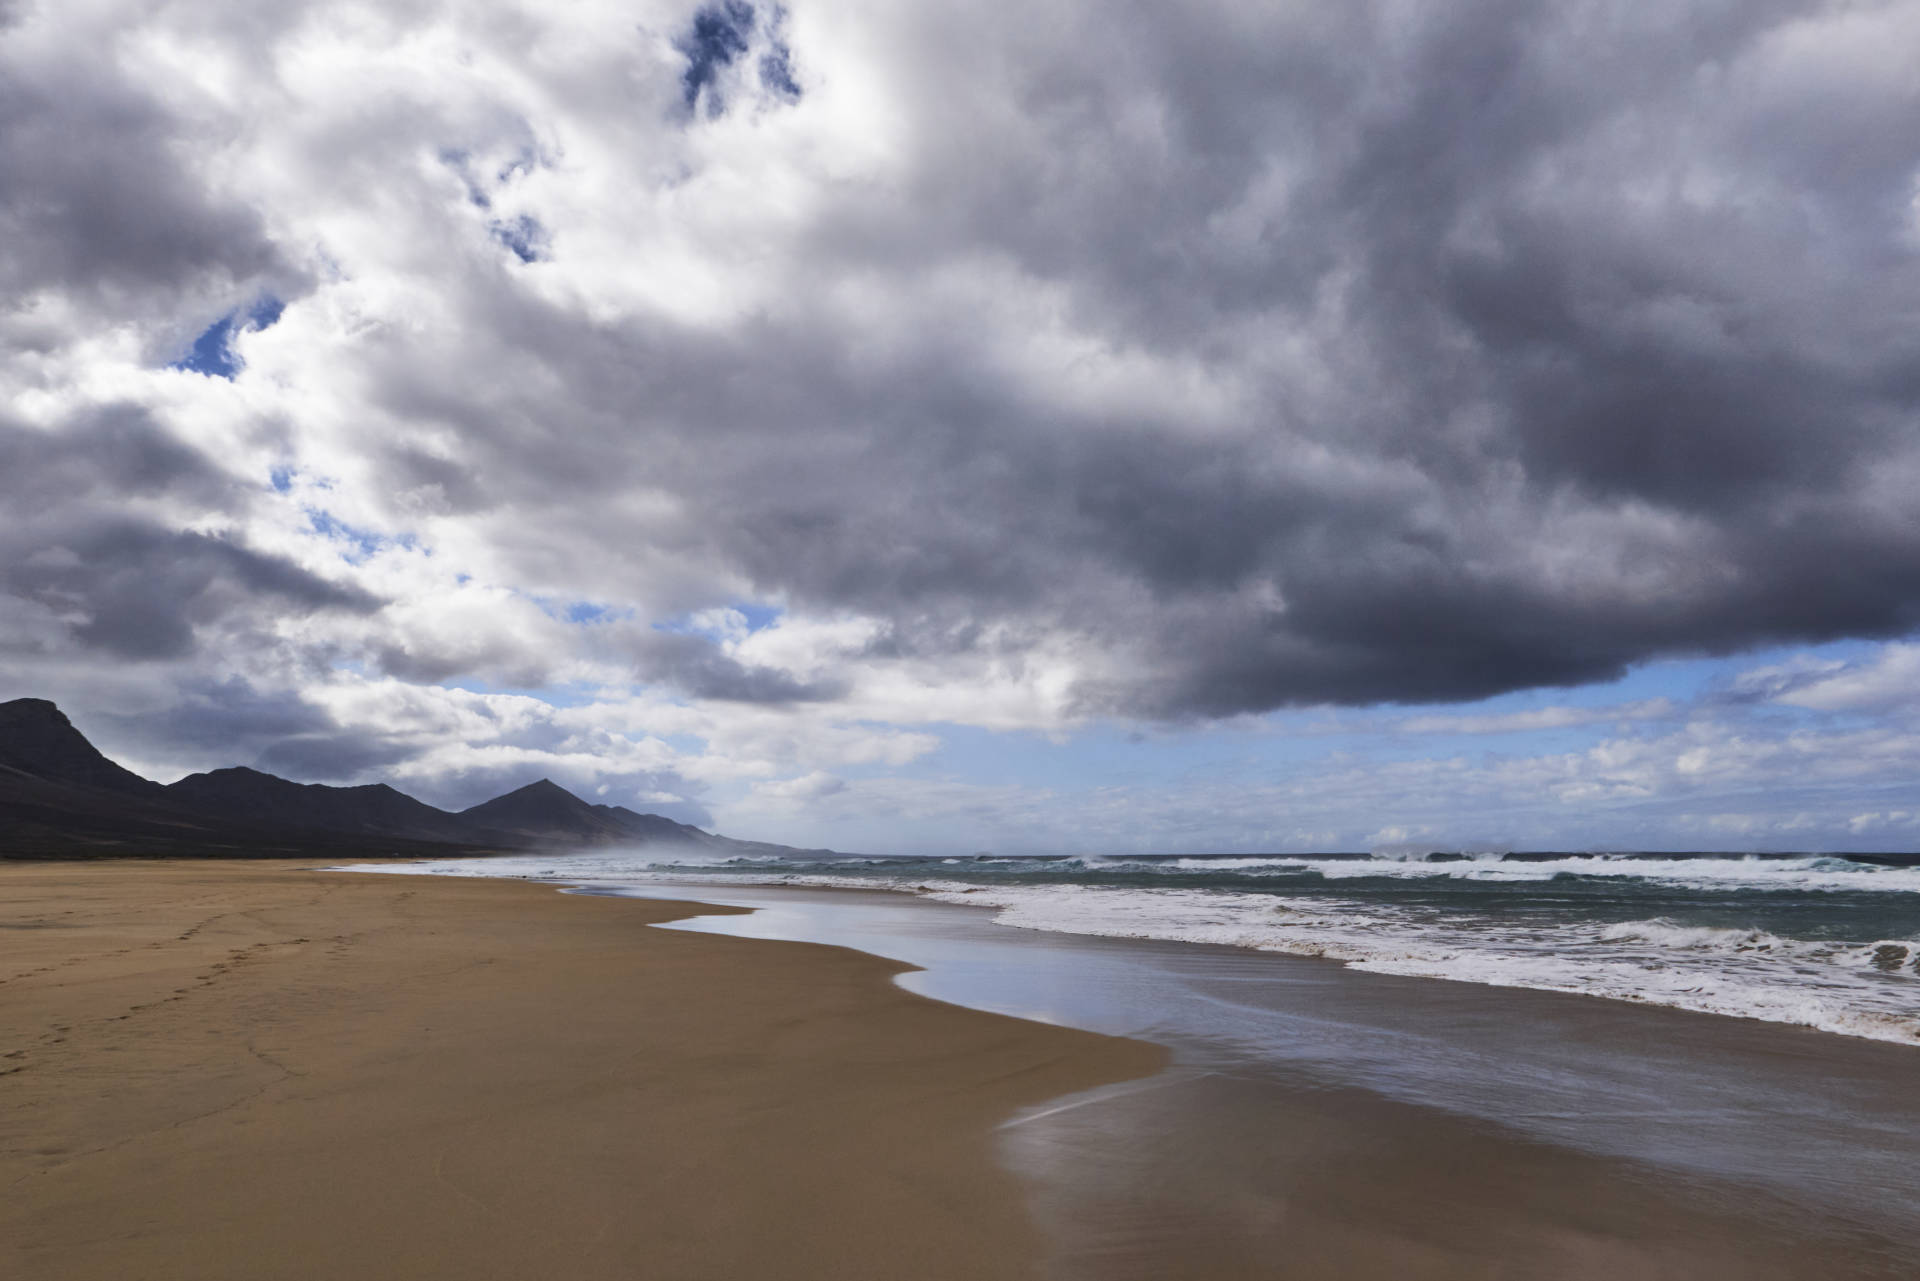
(683, 398)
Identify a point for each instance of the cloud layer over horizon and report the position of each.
(763, 388)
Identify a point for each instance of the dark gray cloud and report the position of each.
(102, 457)
(697, 666)
(336, 754)
(218, 722)
(687, 663)
(100, 202)
(1574, 274)
(1266, 355)
(86, 540)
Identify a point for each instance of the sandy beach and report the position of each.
(267, 1070)
(220, 1070)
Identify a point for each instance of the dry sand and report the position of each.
(246, 1070)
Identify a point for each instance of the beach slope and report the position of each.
(215, 1070)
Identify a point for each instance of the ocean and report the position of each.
(1826, 942)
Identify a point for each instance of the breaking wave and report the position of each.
(1819, 941)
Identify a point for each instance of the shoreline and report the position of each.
(493, 1077)
(1405, 1128)
(1779, 950)
(258, 1071)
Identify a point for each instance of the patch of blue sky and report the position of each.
(700, 622)
(212, 353)
(1281, 745)
(460, 161)
(1694, 689)
(281, 478)
(776, 72)
(584, 613)
(359, 543)
(1108, 754)
(566, 694)
(1105, 755)
(529, 241)
(721, 34)
(759, 617)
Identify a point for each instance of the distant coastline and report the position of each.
(62, 798)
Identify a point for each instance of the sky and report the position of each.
(934, 427)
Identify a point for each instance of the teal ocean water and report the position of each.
(1824, 942)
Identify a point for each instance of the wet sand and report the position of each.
(1322, 1122)
(220, 1070)
(1241, 1178)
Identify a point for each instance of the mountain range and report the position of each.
(60, 797)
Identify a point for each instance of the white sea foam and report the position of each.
(1868, 990)
(1230, 864)
(604, 864)
(1751, 872)
(1857, 991)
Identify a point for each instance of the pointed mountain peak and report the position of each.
(547, 811)
(543, 796)
(37, 738)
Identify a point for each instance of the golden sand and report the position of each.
(256, 1070)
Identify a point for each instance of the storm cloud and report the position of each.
(87, 542)
(1160, 363)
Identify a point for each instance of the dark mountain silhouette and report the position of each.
(59, 795)
(545, 811)
(375, 809)
(46, 817)
(37, 738)
(655, 827)
(60, 798)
